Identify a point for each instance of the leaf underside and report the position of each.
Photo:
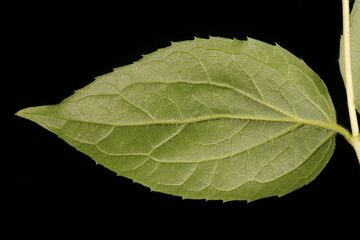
(355, 52)
(203, 119)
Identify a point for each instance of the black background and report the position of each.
(52, 49)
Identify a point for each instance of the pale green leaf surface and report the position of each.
(209, 118)
(355, 52)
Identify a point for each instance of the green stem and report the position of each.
(347, 67)
(355, 141)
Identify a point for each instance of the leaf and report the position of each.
(355, 52)
(209, 118)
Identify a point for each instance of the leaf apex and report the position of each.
(24, 113)
(42, 115)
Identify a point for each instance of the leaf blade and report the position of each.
(196, 120)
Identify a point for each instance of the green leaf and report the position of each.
(355, 52)
(209, 118)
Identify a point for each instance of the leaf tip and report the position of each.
(23, 112)
(27, 113)
(43, 116)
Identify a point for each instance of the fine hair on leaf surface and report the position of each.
(215, 119)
